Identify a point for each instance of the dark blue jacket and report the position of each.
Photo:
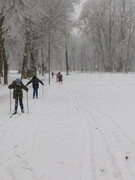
(35, 82)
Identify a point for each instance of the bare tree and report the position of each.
(109, 26)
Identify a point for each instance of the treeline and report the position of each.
(107, 41)
(34, 35)
(40, 35)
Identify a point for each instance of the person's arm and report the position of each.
(24, 87)
(11, 86)
(29, 82)
(40, 81)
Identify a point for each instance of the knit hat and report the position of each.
(17, 80)
(34, 77)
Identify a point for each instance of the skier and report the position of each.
(35, 84)
(52, 74)
(17, 87)
(57, 76)
(60, 78)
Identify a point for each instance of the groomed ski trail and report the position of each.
(65, 133)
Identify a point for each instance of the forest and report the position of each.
(44, 36)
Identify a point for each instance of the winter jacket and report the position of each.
(60, 77)
(17, 89)
(35, 82)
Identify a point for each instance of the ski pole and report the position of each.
(42, 91)
(27, 103)
(10, 101)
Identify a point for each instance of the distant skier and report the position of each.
(35, 84)
(17, 87)
(57, 76)
(60, 78)
(52, 74)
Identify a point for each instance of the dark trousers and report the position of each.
(35, 92)
(16, 103)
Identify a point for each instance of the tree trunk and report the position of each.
(67, 66)
(1, 46)
(43, 65)
(110, 37)
(26, 57)
(5, 71)
(49, 52)
(3, 58)
(24, 68)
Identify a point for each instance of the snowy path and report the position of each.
(77, 131)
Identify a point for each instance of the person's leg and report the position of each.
(21, 104)
(34, 92)
(16, 105)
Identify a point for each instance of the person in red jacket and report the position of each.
(57, 76)
(60, 78)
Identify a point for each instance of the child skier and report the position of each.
(60, 78)
(35, 84)
(17, 87)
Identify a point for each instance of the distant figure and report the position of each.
(52, 74)
(35, 84)
(57, 76)
(17, 87)
(60, 78)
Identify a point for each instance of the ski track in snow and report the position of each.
(94, 163)
(108, 132)
(68, 136)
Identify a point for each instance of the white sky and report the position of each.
(81, 130)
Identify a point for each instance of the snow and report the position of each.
(80, 130)
(78, 8)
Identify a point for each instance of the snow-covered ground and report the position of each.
(81, 130)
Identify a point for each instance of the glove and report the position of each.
(27, 90)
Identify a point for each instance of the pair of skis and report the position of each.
(13, 114)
